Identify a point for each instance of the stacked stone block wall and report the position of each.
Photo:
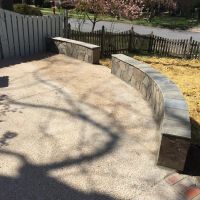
(168, 104)
(72, 48)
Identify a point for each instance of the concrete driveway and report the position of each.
(71, 130)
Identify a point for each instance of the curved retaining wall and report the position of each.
(80, 50)
(168, 104)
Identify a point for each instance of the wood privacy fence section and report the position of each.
(130, 41)
(22, 35)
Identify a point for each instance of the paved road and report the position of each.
(167, 33)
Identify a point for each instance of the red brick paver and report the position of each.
(193, 193)
(173, 179)
(183, 186)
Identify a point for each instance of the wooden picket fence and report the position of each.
(129, 41)
(22, 35)
(175, 48)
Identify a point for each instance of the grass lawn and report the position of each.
(49, 11)
(170, 22)
(162, 21)
(186, 74)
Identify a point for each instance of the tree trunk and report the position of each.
(93, 25)
(186, 7)
(151, 15)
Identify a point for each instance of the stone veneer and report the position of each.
(168, 104)
(80, 50)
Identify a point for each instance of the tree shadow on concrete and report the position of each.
(34, 183)
(15, 61)
(6, 137)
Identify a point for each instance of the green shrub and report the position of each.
(39, 2)
(27, 10)
(47, 4)
(7, 5)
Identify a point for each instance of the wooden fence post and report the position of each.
(69, 31)
(192, 45)
(189, 48)
(65, 23)
(130, 46)
(151, 38)
(102, 40)
(1, 52)
(185, 49)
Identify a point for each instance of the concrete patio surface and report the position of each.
(72, 130)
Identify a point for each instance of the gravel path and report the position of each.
(71, 130)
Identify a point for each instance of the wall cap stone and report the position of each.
(84, 44)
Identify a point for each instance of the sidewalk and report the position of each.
(195, 29)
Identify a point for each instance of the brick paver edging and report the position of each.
(168, 104)
(183, 186)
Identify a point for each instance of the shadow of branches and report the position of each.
(7, 136)
(33, 181)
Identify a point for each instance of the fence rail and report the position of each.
(130, 41)
(22, 35)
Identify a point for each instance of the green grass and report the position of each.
(170, 22)
(161, 21)
(49, 11)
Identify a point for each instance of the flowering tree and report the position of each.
(94, 7)
(155, 7)
(129, 9)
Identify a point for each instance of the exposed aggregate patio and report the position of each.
(72, 130)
